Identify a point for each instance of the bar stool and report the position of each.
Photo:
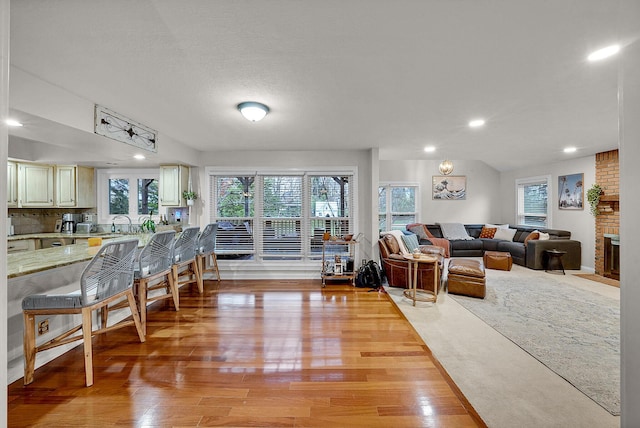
(107, 278)
(153, 272)
(206, 247)
(184, 259)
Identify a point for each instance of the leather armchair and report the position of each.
(396, 268)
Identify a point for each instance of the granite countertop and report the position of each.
(63, 235)
(28, 262)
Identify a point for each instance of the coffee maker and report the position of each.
(69, 222)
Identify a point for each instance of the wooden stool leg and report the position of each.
(142, 300)
(173, 284)
(88, 351)
(29, 346)
(198, 276)
(135, 315)
(214, 263)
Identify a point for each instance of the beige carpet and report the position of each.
(505, 385)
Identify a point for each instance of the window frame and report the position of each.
(389, 213)
(307, 254)
(133, 175)
(519, 187)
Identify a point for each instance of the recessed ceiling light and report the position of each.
(476, 123)
(12, 122)
(570, 149)
(430, 149)
(604, 53)
(139, 157)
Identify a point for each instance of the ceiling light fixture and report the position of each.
(446, 167)
(476, 123)
(430, 149)
(12, 122)
(570, 149)
(139, 157)
(604, 53)
(253, 111)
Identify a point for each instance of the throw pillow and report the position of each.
(530, 237)
(544, 236)
(411, 241)
(419, 230)
(392, 244)
(497, 226)
(505, 234)
(488, 232)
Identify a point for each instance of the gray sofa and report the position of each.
(532, 256)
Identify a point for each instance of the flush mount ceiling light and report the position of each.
(430, 149)
(604, 53)
(12, 122)
(253, 111)
(476, 123)
(139, 157)
(570, 150)
(446, 167)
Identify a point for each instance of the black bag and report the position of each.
(369, 275)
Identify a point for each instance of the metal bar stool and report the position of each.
(184, 259)
(107, 278)
(206, 246)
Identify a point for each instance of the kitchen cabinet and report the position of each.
(35, 185)
(75, 186)
(12, 185)
(174, 179)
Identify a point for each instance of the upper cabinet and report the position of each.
(12, 185)
(43, 186)
(35, 185)
(174, 179)
(75, 186)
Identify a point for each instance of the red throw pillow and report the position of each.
(531, 236)
(488, 232)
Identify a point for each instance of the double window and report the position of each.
(533, 202)
(397, 206)
(131, 192)
(267, 216)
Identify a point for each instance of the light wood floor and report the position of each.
(253, 353)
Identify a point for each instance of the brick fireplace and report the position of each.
(608, 221)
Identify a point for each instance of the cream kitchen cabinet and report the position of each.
(174, 179)
(35, 185)
(12, 185)
(75, 186)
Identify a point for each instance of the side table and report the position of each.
(412, 292)
(554, 260)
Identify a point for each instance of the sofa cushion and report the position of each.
(411, 241)
(505, 234)
(488, 232)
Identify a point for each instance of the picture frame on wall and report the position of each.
(571, 192)
(449, 187)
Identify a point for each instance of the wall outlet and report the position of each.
(43, 327)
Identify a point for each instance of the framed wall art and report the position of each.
(449, 187)
(571, 192)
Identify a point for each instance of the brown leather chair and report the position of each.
(396, 268)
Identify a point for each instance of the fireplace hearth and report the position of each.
(611, 256)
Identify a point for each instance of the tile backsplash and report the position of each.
(38, 220)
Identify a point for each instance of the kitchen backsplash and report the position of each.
(39, 220)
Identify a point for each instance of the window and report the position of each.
(131, 192)
(397, 206)
(533, 207)
(266, 216)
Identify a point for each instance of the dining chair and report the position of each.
(206, 251)
(108, 278)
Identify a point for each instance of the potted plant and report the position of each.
(190, 196)
(593, 196)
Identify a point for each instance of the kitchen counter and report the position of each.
(29, 262)
(63, 235)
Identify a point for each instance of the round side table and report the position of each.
(554, 260)
(412, 292)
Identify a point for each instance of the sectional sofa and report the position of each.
(531, 255)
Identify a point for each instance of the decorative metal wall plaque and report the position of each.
(117, 127)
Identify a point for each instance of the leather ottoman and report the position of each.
(498, 260)
(466, 277)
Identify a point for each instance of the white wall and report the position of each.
(4, 110)
(580, 223)
(482, 204)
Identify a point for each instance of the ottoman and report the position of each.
(466, 277)
(497, 260)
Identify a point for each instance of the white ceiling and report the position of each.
(340, 74)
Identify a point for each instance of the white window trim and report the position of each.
(389, 213)
(102, 191)
(532, 180)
